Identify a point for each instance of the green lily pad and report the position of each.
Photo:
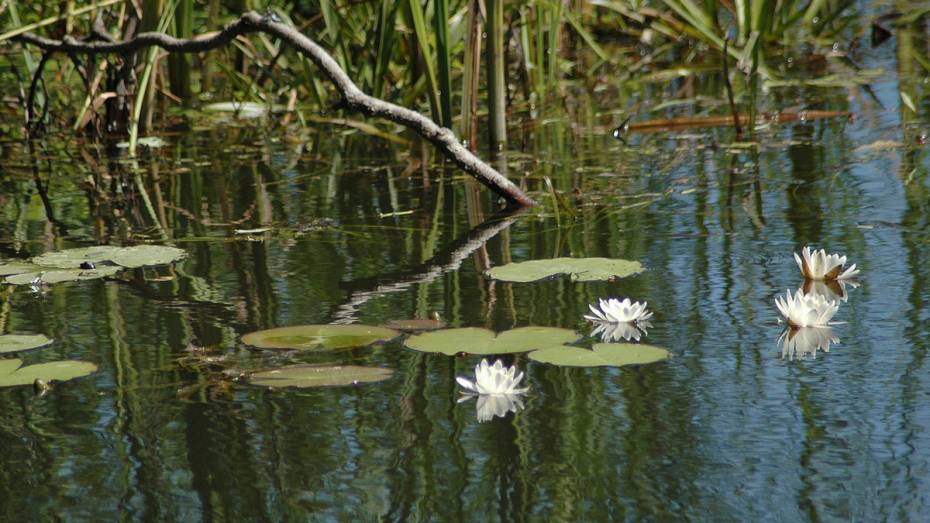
(10, 268)
(319, 337)
(11, 374)
(414, 325)
(21, 342)
(129, 257)
(602, 355)
(244, 110)
(152, 142)
(315, 376)
(579, 269)
(474, 340)
(63, 275)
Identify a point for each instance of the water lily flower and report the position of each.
(806, 310)
(493, 380)
(806, 341)
(818, 265)
(610, 332)
(615, 311)
(495, 405)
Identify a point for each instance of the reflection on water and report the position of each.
(804, 342)
(490, 406)
(834, 290)
(609, 332)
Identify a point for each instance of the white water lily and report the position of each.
(806, 341)
(818, 265)
(495, 405)
(613, 310)
(806, 310)
(493, 379)
(610, 332)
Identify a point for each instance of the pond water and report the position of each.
(728, 429)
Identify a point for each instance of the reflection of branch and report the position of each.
(352, 97)
(42, 190)
(360, 291)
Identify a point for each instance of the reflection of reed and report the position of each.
(449, 259)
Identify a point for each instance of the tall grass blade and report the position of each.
(145, 80)
(423, 38)
(443, 54)
(497, 85)
(470, 75)
(387, 15)
(179, 65)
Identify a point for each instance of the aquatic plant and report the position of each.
(818, 265)
(806, 310)
(602, 355)
(613, 310)
(493, 379)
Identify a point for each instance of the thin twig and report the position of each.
(353, 97)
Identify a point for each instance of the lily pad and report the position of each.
(21, 342)
(415, 324)
(602, 355)
(11, 374)
(319, 337)
(129, 257)
(10, 268)
(474, 340)
(152, 142)
(63, 275)
(315, 376)
(579, 269)
(244, 110)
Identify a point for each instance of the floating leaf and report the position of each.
(316, 376)
(415, 324)
(10, 268)
(152, 142)
(11, 374)
(602, 355)
(473, 340)
(244, 110)
(130, 257)
(21, 342)
(319, 337)
(63, 275)
(580, 269)
(568, 357)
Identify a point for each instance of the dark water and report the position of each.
(727, 430)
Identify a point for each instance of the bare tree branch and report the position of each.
(352, 97)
